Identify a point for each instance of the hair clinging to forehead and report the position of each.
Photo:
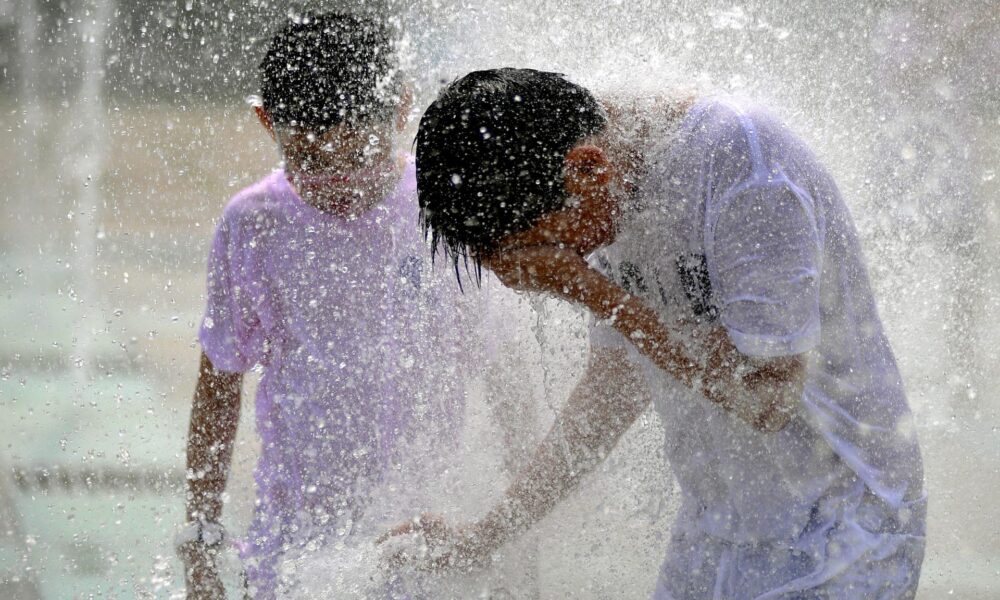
(490, 153)
(322, 69)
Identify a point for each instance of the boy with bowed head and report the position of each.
(317, 274)
(727, 287)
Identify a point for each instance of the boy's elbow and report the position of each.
(782, 381)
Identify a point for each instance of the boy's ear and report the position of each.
(405, 105)
(587, 169)
(265, 120)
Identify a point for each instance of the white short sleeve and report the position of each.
(763, 249)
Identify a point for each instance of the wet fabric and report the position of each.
(352, 327)
(742, 227)
(856, 553)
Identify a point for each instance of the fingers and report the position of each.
(510, 272)
(401, 529)
(433, 531)
(773, 419)
(536, 268)
(432, 550)
(428, 523)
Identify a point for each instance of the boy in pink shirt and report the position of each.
(316, 273)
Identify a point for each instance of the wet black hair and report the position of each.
(490, 153)
(322, 69)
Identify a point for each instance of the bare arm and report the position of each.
(605, 402)
(215, 413)
(611, 396)
(763, 392)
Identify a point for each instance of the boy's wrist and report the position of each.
(204, 507)
(483, 537)
(602, 297)
(201, 532)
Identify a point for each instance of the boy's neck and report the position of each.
(638, 128)
(638, 124)
(348, 193)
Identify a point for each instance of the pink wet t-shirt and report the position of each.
(351, 326)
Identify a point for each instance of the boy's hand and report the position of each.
(546, 269)
(557, 271)
(434, 546)
(539, 269)
(200, 573)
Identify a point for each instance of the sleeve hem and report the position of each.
(772, 346)
(222, 358)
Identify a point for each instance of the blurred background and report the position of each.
(126, 128)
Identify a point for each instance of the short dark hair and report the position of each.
(490, 154)
(322, 69)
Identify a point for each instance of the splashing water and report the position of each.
(347, 570)
(129, 125)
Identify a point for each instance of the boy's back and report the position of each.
(727, 266)
(744, 228)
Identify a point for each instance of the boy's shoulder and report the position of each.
(741, 136)
(724, 119)
(717, 136)
(743, 122)
(257, 201)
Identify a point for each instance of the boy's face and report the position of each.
(597, 196)
(345, 169)
(589, 223)
(343, 148)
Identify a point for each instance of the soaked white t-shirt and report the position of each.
(741, 226)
